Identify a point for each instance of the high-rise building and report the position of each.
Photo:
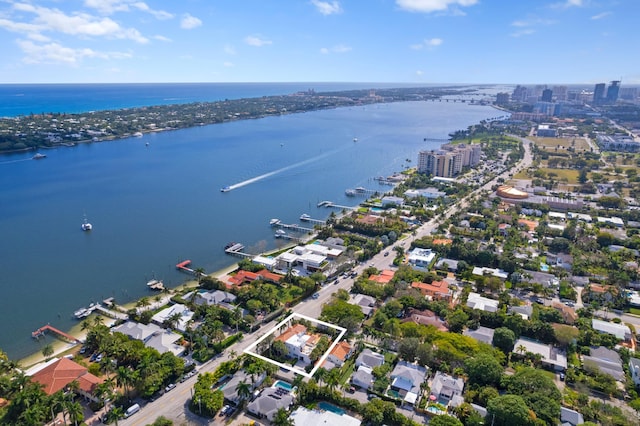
(547, 95)
(502, 98)
(449, 161)
(598, 94)
(612, 92)
(561, 93)
(519, 94)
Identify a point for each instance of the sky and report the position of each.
(397, 41)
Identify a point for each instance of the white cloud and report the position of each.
(257, 41)
(229, 49)
(419, 72)
(109, 7)
(327, 8)
(56, 53)
(429, 6)
(428, 43)
(567, 4)
(82, 24)
(525, 32)
(228, 64)
(162, 38)
(340, 48)
(189, 22)
(601, 15)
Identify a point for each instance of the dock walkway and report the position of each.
(42, 330)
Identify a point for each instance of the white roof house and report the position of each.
(426, 193)
(551, 355)
(389, 199)
(494, 272)
(475, 301)
(185, 315)
(421, 258)
(621, 331)
(304, 417)
(267, 262)
(616, 221)
(579, 216)
(557, 215)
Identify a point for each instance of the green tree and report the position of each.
(457, 320)
(162, 421)
(504, 339)
(282, 418)
(445, 421)
(115, 414)
(509, 410)
(243, 390)
(538, 391)
(47, 351)
(483, 370)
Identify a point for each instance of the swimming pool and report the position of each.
(330, 407)
(283, 385)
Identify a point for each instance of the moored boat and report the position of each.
(38, 156)
(305, 217)
(86, 226)
(225, 189)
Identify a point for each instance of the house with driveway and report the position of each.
(406, 379)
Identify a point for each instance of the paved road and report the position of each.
(173, 405)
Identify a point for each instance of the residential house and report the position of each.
(270, 400)
(184, 312)
(447, 264)
(57, 374)
(242, 277)
(305, 417)
(339, 354)
(570, 417)
(503, 229)
(543, 278)
(363, 377)
(370, 359)
(600, 293)
(525, 311)
(421, 258)
(366, 303)
(569, 315)
(390, 200)
(383, 278)
(562, 260)
(492, 272)
(426, 317)
(481, 334)
(551, 356)
(152, 336)
(230, 388)
(605, 360)
(215, 297)
(299, 344)
(634, 369)
(445, 387)
(436, 290)
(475, 301)
(621, 331)
(406, 379)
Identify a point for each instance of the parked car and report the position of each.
(224, 410)
(169, 387)
(351, 389)
(386, 253)
(562, 377)
(315, 295)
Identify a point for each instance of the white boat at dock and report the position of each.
(280, 233)
(274, 222)
(155, 285)
(305, 217)
(85, 312)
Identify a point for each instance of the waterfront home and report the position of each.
(475, 301)
(305, 417)
(406, 379)
(152, 336)
(215, 297)
(242, 277)
(551, 356)
(57, 374)
(444, 387)
(268, 262)
(370, 359)
(185, 315)
(428, 193)
(390, 200)
(270, 400)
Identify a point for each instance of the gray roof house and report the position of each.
(363, 377)
(366, 303)
(152, 336)
(452, 265)
(370, 359)
(215, 297)
(607, 361)
(269, 402)
(634, 369)
(406, 379)
(445, 387)
(570, 417)
(481, 334)
(525, 311)
(230, 389)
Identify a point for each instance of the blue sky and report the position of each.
(404, 41)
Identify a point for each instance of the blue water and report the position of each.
(25, 99)
(330, 407)
(154, 206)
(283, 385)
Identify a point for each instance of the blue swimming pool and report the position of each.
(330, 407)
(283, 385)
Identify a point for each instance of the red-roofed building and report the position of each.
(442, 241)
(296, 329)
(242, 277)
(438, 290)
(384, 277)
(340, 353)
(426, 317)
(57, 375)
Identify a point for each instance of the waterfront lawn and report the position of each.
(550, 144)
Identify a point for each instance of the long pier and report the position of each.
(307, 218)
(236, 250)
(293, 227)
(331, 204)
(42, 330)
(361, 192)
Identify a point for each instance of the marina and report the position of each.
(307, 218)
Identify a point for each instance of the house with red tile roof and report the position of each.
(437, 290)
(426, 317)
(340, 353)
(59, 374)
(242, 277)
(383, 278)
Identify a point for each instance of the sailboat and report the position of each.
(86, 226)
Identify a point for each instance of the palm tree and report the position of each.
(521, 349)
(333, 378)
(143, 303)
(115, 414)
(47, 351)
(321, 375)
(76, 413)
(125, 377)
(243, 390)
(98, 320)
(199, 273)
(282, 418)
(85, 325)
(173, 320)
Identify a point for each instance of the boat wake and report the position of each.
(275, 172)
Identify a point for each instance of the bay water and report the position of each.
(155, 201)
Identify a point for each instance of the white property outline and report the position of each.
(249, 349)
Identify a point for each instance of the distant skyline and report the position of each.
(400, 41)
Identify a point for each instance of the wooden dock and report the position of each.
(293, 227)
(42, 330)
(236, 250)
(307, 218)
(331, 204)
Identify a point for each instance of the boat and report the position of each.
(361, 189)
(38, 156)
(155, 285)
(86, 226)
(81, 313)
(305, 217)
(274, 222)
(355, 139)
(137, 134)
(280, 233)
(225, 189)
(350, 192)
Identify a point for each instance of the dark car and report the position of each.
(562, 377)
